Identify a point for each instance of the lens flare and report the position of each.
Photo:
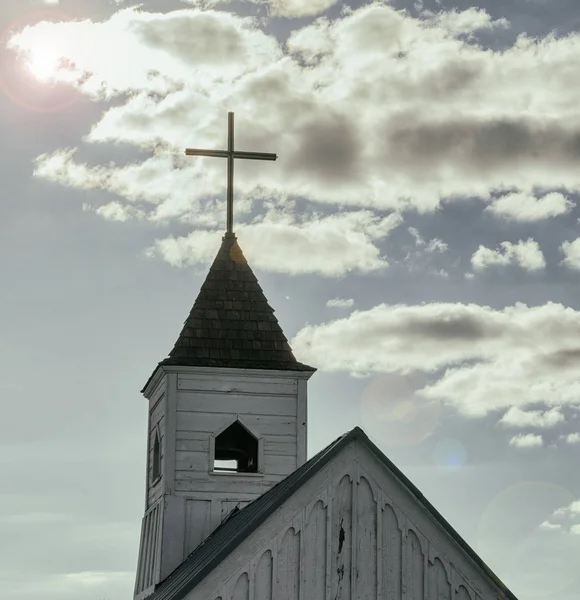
(449, 454)
(43, 64)
(392, 411)
(31, 79)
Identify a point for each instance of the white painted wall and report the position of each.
(353, 531)
(191, 406)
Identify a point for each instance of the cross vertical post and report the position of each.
(231, 155)
(230, 197)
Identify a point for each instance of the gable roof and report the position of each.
(242, 523)
(231, 323)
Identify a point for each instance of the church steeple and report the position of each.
(231, 323)
(227, 410)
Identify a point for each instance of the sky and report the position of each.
(418, 238)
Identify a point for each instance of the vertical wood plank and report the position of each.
(342, 540)
(288, 572)
(415, 567)
(440, 586)
(242, 588)
(263, 577)
(366, 542)
(301, 423)
(168, 459)
(315, 555)
(392, 555)
(463, 593)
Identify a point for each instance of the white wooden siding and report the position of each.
(190, 405)
(305, 550)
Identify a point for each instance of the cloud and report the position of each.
(481, 360)
(524, 206)
(515, 417)
(525, 254)
(436, 245)
(340, 303)
(465, 22)
(527, 440)
(283, 245)
(569, 514)
(374, 109)
(571, 438)
(571, 252)
(279, 8)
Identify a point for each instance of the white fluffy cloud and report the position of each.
(527, 440)
(481, 360)
(330, 246)
(526, 254)
(515, 417)
(571, 252)
(571, 438)
(525, 206)
(374, 109)
(340, 303)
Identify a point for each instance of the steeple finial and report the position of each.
(230, 154)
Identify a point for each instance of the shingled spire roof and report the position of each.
(231, 323)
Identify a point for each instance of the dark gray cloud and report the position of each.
(328, 148)
(484, 144)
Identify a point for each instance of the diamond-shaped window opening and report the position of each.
(236, 450)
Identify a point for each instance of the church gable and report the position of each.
(354, 529)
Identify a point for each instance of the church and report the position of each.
(235, 510)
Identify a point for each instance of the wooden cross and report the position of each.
(230, 154)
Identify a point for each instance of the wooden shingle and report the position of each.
(231, 323)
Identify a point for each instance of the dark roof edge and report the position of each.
(242, 533)
(326, 455)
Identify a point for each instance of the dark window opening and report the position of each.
(156, 466)
(236, 450)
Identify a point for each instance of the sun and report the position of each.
(43, 64)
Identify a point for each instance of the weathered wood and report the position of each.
(392, 560)
(187, 482)
(342, 540)
(197, 524)
(242, 588)
(288, 572)
(192, 406)
(263, 581)
(254, 386)
(211, 422)
(315, 552)
(440, 586)
(414, 567)
(366, 542)
(390, 534)
(202, 402)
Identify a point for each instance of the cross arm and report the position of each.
(255, 155)
(201, 152)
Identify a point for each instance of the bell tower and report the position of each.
(227, 417)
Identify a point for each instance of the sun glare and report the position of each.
(43, 64)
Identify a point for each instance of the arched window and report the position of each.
(236, 450)
(156, 464)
